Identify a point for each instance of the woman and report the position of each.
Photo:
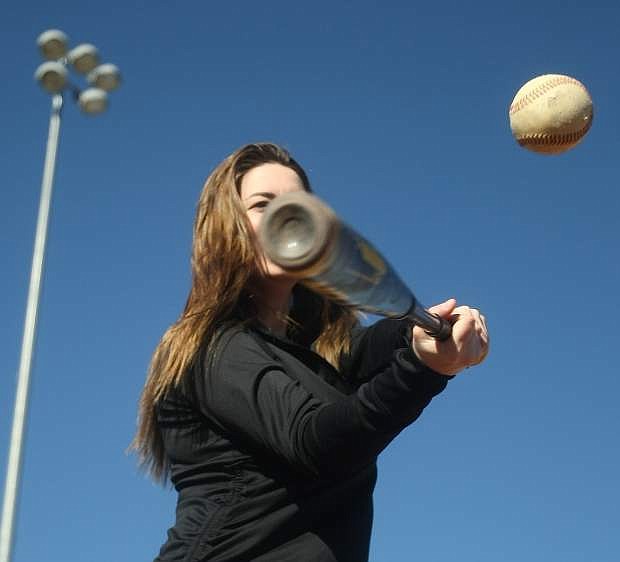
(266, 404)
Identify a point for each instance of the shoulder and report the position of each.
(232, 365)
(234, 351)
(239, 344)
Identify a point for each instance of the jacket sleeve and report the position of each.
(248, 394)
(372, 348)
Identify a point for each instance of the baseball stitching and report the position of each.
(541, 90)
(546, 139)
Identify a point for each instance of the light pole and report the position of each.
(53, 76)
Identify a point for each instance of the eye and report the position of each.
(260, 205)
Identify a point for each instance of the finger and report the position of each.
(464, 323)
(483, 350)
(485, 329)
(474, 337)
(484, 321)
(462, 309)
(483, 355)
(480, 325)
(444, 309)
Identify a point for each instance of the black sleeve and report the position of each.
(372, 348)
(248, 394)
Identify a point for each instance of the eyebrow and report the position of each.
(266, 194)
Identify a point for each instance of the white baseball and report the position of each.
(551, 113)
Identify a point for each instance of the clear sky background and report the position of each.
(398, 110)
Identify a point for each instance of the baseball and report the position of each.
(551, 113)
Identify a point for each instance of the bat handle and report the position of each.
(433, 325)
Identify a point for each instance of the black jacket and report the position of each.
(273, 452)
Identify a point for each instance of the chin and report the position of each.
(274, 272)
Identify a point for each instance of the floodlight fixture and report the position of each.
(93, 100)
(52, 44)
(84, 57)
(105, 76)
(52, 75)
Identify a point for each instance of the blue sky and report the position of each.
(398, 110)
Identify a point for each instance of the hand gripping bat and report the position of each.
(303, 236)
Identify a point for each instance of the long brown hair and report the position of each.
(223, 260)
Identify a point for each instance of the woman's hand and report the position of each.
(467, 346)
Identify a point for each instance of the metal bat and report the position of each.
(304, 236)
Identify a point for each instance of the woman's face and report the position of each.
(258, 187)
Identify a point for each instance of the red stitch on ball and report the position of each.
(541, 90)
(550, 139)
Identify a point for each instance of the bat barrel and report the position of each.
(296, 232)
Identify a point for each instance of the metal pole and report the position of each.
(23, 377)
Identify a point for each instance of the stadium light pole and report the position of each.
(53, 76)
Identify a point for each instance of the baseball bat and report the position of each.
(305, 237)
